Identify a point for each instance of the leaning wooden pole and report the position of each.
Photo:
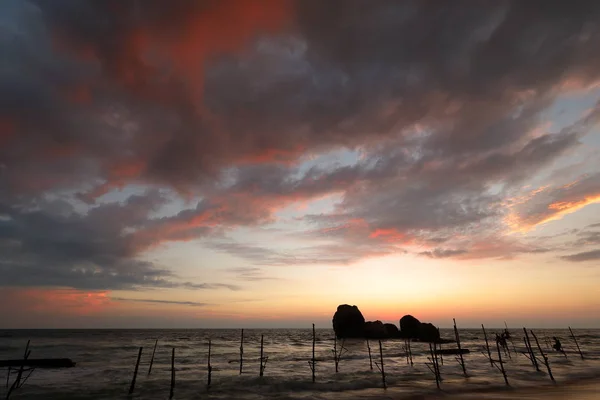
(487, 346)
(544, 356)
(437, 363)
(370, 358)
(531, 353)
(382, 368)
(135, 371)
(209, 367)
(576, 343)
(242, 352)
(435, 369)
(501, 364)
(462, 360)
(17, 383)
(152, 358)
(25, 356)
(172, 374)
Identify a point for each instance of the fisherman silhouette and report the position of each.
(557, 345)
(501, 340)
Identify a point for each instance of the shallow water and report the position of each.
(106, 359)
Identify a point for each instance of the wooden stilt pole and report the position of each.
(434, 368)
(313, 362)
(501, 364)
(17, 383)
(242, 352)
(382, 368)
(370, 358)
(8, 376)
(337, 353)
(262, 340)
(576, 343)
(172, 374)
(511, 342)
(137, 364)
(487, 346)
(440, 347)
(531, 353)
(25, 356)
(461, 360)
(437, 363)
(544, 357)
(410, 353)
(209, 367)
(335, 359)
(152, 358)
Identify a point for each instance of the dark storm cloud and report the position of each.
(218, 99)
(592, 255)
(443, 253)
(354, 72)
(52, 245)
(154, 301)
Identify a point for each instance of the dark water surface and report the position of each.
(106, 359)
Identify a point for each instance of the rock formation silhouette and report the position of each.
(348, 322)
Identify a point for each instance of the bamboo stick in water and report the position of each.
(462, 360)
(209, 367)
(137, 364)
(172, 374)
(370, 359)
(544, 357)
(242, 352)
(382, 368)
(152, 358)
(576, 344)
(487, 345)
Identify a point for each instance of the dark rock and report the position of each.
(375, 330)
(452, 351)
(428, 333)
(410, 327)
(348, 322)
(391, 330)
(39, 363)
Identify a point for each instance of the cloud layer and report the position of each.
(225, 104)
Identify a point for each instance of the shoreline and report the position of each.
(583, 389)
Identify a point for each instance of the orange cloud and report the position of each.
(79, 94)
(550, 205)
(286, 157)
(221, 27)
(7, 130)
(66, 301)
(391, 235)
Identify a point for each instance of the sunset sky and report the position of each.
(240, 163)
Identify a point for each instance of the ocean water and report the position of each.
(106, 360)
